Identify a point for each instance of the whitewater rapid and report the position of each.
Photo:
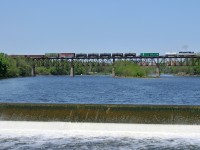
(67, 135)
(60, 129)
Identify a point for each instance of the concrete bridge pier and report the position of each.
(113, 68)
(157, 71)
(33, 70)
(113, 72)
(72, 69)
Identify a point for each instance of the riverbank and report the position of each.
(183, 74)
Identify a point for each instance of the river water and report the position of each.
(102, 90)
(167, 90)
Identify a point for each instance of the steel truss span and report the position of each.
(142, 61)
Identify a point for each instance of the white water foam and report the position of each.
(60, 129)
(65, 135)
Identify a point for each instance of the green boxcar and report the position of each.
(51, 55)
(149, 54)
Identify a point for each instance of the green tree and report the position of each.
(43, 71)
(197, 70)
(12, 71)
(3, 65)
(24, 67)
(128, 69)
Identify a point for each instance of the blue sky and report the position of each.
(87, 26)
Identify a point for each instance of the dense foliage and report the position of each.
(3, 66)
(129, 69)
(181, 70)
(10, 67)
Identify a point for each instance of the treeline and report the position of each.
(10, 67)
(181, 70)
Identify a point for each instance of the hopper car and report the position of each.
(117, 55)
(81, 55)
(93, 55)
(129, 55)
(105, 55)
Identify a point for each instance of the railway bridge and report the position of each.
(110, 59)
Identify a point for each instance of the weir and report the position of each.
(104, 113)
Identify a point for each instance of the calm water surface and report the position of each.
(102, 90)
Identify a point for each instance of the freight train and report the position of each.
(80, 55)
(107, 55)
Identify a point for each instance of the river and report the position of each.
(167, 90)
(102, 90)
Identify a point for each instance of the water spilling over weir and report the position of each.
(92, 126)
(101, 113)
(146, 113)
